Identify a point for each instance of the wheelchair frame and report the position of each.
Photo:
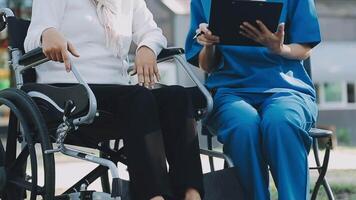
(108, 156)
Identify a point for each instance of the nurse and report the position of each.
(264, 101)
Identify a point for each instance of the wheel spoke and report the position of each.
(2, 154)
(11, 140)
(20, 160)
(20, 182)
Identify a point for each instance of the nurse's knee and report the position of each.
(237, 130)
(278, 121)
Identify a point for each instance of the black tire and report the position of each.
(25, 112)
(2, 168)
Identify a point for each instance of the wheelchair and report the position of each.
(31, 133)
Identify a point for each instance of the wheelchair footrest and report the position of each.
(86, 195)
(124, 186)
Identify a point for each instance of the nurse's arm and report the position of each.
(295, 51)
(275, 41)
(208, 56)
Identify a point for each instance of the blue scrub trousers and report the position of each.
(267, 129)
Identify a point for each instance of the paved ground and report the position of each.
(69, 170)
(343, 158)
(342, 168)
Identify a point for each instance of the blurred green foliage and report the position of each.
(343, 136)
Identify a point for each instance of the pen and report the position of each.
(198, 34)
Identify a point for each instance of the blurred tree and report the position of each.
(343, 136)
(22, 8)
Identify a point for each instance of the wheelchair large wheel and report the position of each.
(29, 172)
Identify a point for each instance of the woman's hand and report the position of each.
(261, 34)
(206, 38)
(146, 67)
(56, 47)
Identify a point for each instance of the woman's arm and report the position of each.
(150, 42)
(295, 51)
(45, 14)
(208, 58)
(56, 47)
(145, 31)
(43, 31)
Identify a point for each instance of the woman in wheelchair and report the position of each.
(264, 101)
(155, 124)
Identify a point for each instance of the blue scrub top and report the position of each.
(255, 69)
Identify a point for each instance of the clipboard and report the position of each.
(226, 16)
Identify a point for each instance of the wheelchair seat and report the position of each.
(57, 97)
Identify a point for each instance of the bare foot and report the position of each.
(192, 194)
(157, 198)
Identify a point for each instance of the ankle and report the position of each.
(192, 194)
(157, 198)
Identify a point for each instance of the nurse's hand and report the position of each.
(146, 67)
(206, 37)
(261, 34)
(208, 58)
(56, 47)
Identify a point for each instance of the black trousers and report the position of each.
(156, 126)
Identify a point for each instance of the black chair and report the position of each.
(29, 127)
(315, 133)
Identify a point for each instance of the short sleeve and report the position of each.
(192, 47)
(303, 25)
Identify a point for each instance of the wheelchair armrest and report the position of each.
(176, 54)
(320, 133)
(33, 57)
(36, 57)
(165, 54)
(180, 59)
(169, 53)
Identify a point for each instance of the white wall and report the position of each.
(181, 28)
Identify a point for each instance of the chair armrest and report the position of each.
(34, 56)
(176, 54)
(180, 59)
(37, 55)
(169, 53)
(320, 133)
(165, 54)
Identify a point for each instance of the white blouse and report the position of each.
(78, 21)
